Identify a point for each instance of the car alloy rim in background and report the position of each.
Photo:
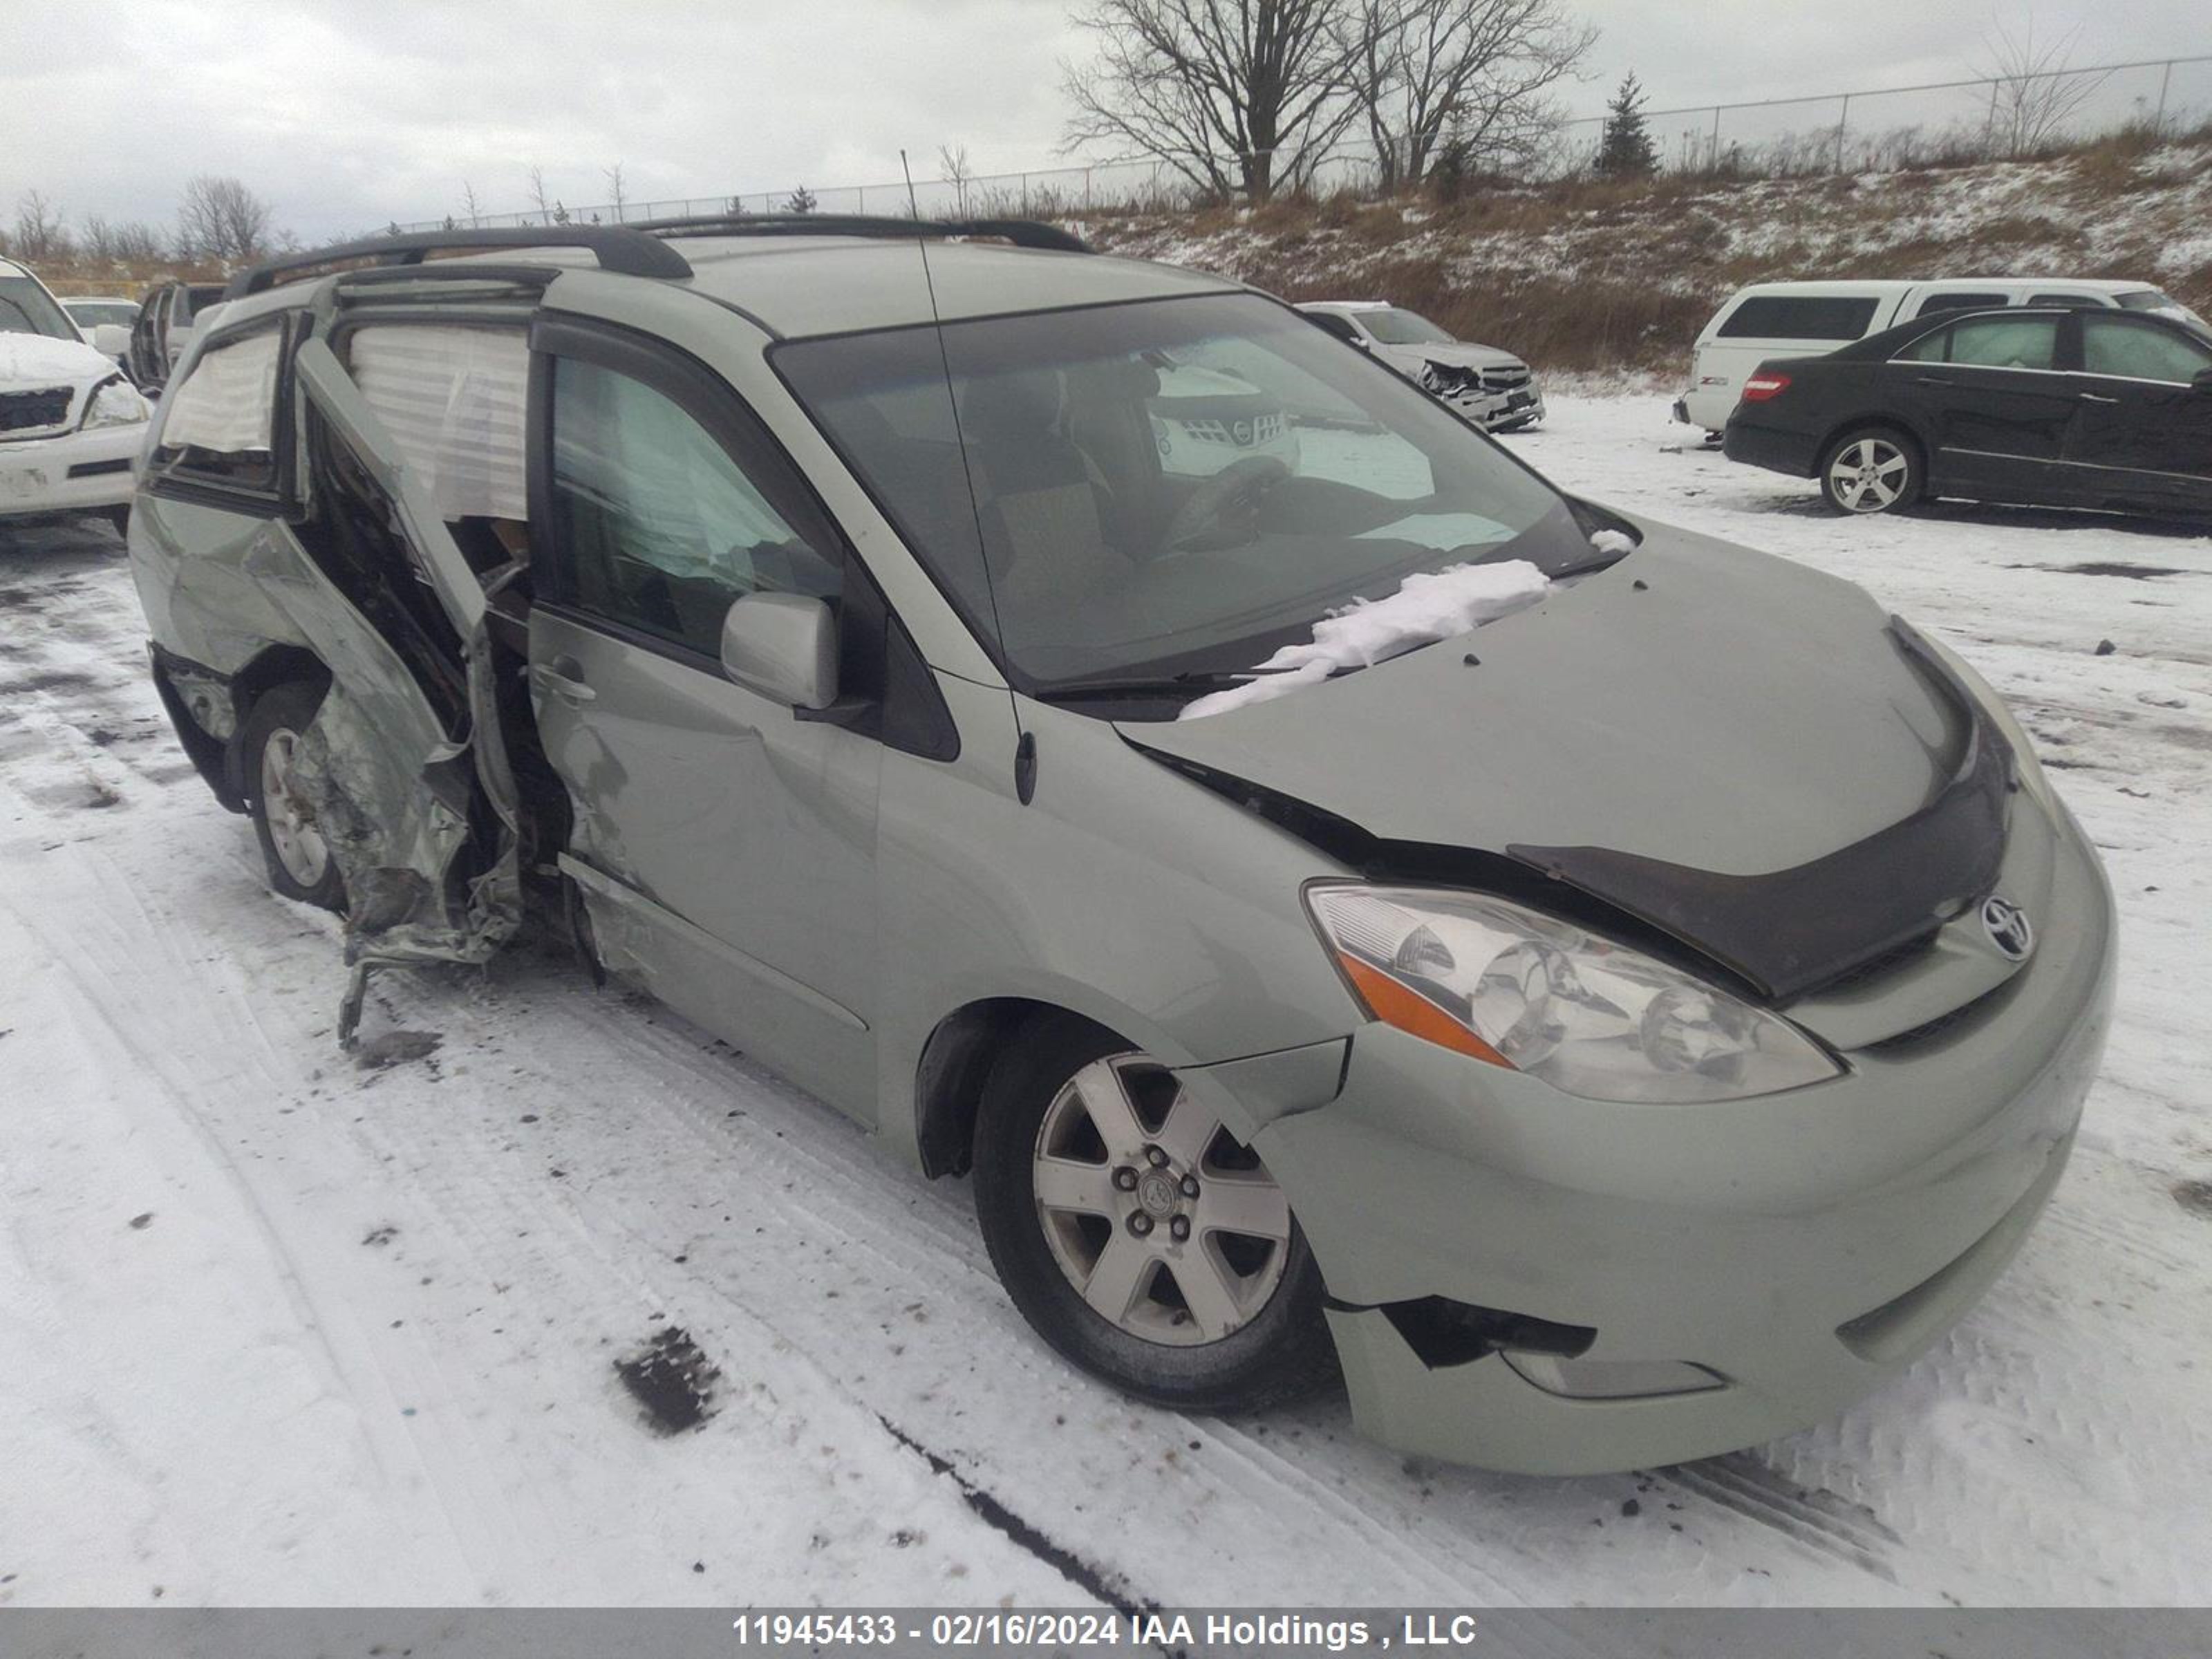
(1168, 1228)
(1868, 476)
(292, 830)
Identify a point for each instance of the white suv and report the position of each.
(71, 421)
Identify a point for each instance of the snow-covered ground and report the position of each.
(276, 1327)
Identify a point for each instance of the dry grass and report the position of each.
(1605, 275)
(129, 281)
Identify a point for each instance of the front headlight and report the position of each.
(1513, 988)
(116, 403)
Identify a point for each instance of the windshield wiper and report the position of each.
(1175, 685)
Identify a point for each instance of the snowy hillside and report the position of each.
(1591, 275)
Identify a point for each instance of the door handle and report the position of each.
(1932, 379)
(560, 685)
(2092, 398)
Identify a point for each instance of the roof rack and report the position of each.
(619, 248)
(1022, 233)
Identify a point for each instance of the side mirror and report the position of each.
(110, 339)
(783, 645)
(2201, 384)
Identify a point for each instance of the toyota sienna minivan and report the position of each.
(1607, 995)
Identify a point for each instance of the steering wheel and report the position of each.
(1236, 487)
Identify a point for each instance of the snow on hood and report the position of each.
(32, 360)
(1431, 606)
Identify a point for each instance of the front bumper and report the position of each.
(1802, 1247)
(74, 472)
(1493, 411)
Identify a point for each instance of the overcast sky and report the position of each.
(347, 114)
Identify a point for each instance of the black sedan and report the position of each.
(2076, 407)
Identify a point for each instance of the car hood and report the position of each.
(32, 360)
(1699, 735)
(1465, 354)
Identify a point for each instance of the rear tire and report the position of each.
(1871, 469)
(1200, 1315)
(299, 861)
(120, 518)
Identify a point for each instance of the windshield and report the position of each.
(27, 308)
(1395, 327)
(90, 313)
(1167, 487)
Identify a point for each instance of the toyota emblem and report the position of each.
(2007, 925)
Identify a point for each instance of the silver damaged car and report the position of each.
(1356, 911)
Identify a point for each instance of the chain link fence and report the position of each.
(1994, 117)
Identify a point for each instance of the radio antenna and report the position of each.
(1024, 743)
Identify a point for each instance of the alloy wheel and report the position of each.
(1167, 1227)
(1869, 476)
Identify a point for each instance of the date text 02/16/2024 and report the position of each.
(1275, 1633)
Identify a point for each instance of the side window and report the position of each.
(219, 422)
(1934, 347)
(2064, 300)
(1935, 304)
(2139, 351)
(1798, 317)
(658, 527)
(2006, 342)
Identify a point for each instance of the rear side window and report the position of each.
(2139, 351)
(1936, 304)
(1990, 343)
(1798, 317)
(453, 400)
(2064, 300)
(659, 528)
(1329, 322)
(219, 427)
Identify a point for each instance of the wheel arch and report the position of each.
(956, 1064)
(276, 666)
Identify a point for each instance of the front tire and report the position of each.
(292, 846)
(1137, 1236)
(1871, 469)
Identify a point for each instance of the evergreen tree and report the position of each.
(1626, 151)
(802, 201)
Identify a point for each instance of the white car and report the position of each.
(1492, 388)
(71, 421)
(1812, 319)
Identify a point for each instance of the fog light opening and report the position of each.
(1441, 1331)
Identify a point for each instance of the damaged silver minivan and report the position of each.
(1612, 996)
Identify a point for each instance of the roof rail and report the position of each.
(1022, 233)
(619, 248)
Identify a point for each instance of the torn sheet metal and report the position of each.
(393, 791)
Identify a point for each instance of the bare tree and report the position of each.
(1234, 94)
(614, 179)
(41, 230)
(537, 194)
(952, 167)
(468, 201)
(220, 219)
(2034, 92)
(1475, 73)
